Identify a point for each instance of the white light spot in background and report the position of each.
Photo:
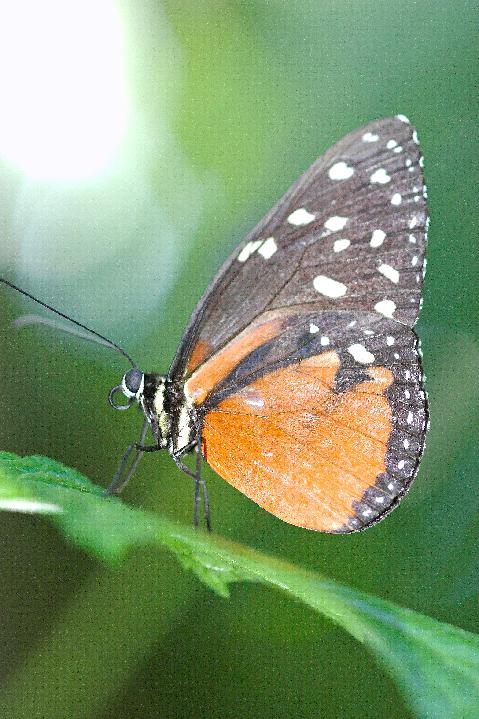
(28, 506)
(64, 106)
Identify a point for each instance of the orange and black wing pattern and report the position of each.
(301, 359)
(324, 430)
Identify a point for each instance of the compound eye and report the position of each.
(132, 382)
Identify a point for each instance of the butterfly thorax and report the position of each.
(171, 416)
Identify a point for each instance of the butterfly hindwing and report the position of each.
(325, 428)
(348, 235)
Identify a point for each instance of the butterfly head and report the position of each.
(132, 386)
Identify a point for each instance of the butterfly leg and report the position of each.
(121, 479)
(200, 484)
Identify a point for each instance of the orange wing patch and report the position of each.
(297, 448)
(223, 362)
(200, 351)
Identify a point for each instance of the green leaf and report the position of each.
(435, 665)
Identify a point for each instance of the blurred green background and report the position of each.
(139, 142)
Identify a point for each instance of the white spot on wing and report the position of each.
(389, 272)
(313, 328)
(340, 171)
(329, 287)
(324, 341)
(252, 397)
(300, 217)
(361, 354)
(390, 341)
(403, 118)
(335, 223)
(268, 248)
(385, 307)
(396, 199)
(391, 144)
(248, 250)
(341, 245)
(380, 176)
(415, 137)
(370, 137)
(377, 238)
(412, 222)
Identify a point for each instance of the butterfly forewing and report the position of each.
(349, 234)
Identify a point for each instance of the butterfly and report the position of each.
(298, 378)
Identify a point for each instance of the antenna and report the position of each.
(105, 340)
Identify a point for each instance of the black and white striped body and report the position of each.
(172, 417)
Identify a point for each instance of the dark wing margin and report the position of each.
(325, 429)
(350, 234)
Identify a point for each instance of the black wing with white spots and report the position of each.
(349, 235)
